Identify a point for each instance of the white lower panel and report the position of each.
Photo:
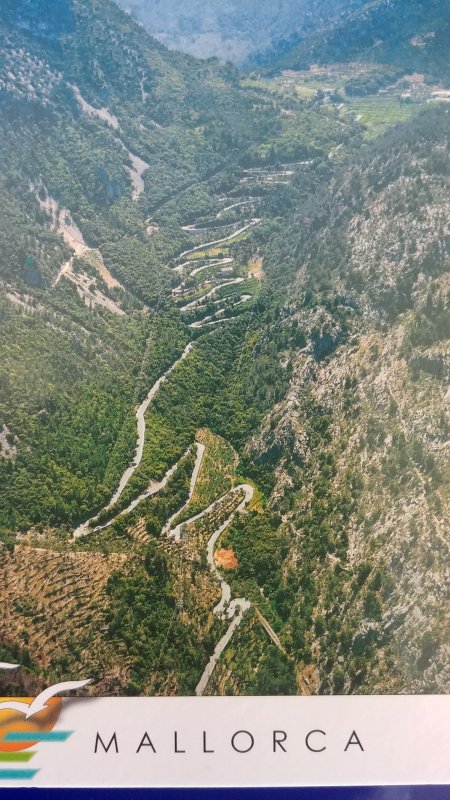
(362, 741)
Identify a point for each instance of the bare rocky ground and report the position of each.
(380, 567)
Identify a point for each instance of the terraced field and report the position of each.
(54, 605)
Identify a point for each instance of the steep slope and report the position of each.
(100, 126)
(111, 145)
(358, 450)
(412, 35)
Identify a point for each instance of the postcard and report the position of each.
(224, 393)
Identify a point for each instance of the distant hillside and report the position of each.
(411, 34)
(230, 29)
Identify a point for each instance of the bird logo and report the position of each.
(25, 721)
(40, 702)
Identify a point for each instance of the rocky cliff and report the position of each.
(360, 445)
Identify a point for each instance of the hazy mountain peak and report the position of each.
(230, 29)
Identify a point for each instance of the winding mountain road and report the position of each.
(227, 608)
(85, 527)
(235, 609)
(251, 224)
(213, 291)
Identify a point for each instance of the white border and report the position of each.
(405, 741)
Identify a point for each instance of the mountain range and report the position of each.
(410, 34)
(224, 352)
(230, 30)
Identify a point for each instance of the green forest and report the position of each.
(265, 258)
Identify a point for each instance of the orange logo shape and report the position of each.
(10, 720)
